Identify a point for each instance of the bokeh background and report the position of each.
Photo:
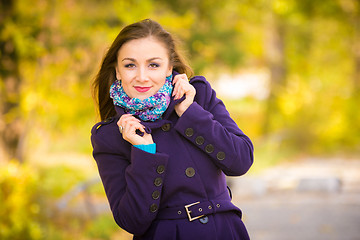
(288, 72)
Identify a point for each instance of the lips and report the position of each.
(142, 89)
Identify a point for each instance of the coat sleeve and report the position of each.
(133, 184)
(208, 125)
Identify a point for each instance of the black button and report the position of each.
(155, 195)
(204, 220)
(220, 156)
(153, 208)
(158, 181)
(189, 132)
(190, 172)
(199, 140)
(209, 148)
(160, 169)
(166, 127)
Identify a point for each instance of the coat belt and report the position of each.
(197, 210)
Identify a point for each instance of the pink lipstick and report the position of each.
(142, 89)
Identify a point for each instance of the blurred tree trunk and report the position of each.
(10, 122)
(275, 54)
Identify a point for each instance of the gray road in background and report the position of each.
(313, 199)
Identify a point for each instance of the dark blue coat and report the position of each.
(148, 192)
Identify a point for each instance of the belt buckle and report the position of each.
(188, 212)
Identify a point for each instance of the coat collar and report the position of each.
(158, 123)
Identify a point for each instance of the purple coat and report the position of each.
(149, 194)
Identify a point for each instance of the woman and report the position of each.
(165, 143)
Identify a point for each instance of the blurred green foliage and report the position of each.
(19, 204)
(28, 197)
(310, 49)
(61, 44)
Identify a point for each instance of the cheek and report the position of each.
(160, 83)
(124, 74)
(126, 85)
(128, 90)
(159, 79)
(125, 78)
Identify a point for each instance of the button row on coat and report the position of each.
(157, 182)
(200, 140)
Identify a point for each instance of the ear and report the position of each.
(118, 76)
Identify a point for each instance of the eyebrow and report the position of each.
(148, 60)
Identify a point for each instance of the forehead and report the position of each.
(148, 47)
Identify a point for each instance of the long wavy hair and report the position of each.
(107, 75)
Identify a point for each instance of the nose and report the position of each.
(142, 75)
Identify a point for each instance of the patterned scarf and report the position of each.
(149, 109)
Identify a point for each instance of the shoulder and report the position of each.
(105, 136)
(105, 125)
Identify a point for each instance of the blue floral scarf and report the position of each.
(149, 109)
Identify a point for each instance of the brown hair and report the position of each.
(107, 75)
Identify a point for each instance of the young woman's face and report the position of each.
(142, 65)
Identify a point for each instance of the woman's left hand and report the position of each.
(183, 87)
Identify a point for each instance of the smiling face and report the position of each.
(142, 65)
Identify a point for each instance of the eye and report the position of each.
(130, 65)
(154, 65)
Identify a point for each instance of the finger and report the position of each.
(182, 90)
(122, 119)
(177, 77)
(125, 118)
(178, 89)
(133, 125)
(183, 76)
(128, 117)
(127, 130)
(175, 91)
(180, 93)
(178, 80)
(176, 86)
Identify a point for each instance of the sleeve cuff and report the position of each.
(150, 148)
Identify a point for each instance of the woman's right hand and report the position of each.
(129, 124)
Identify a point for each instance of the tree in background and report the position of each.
(51, 51)
(10, 81)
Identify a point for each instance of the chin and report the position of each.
(143, 97)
